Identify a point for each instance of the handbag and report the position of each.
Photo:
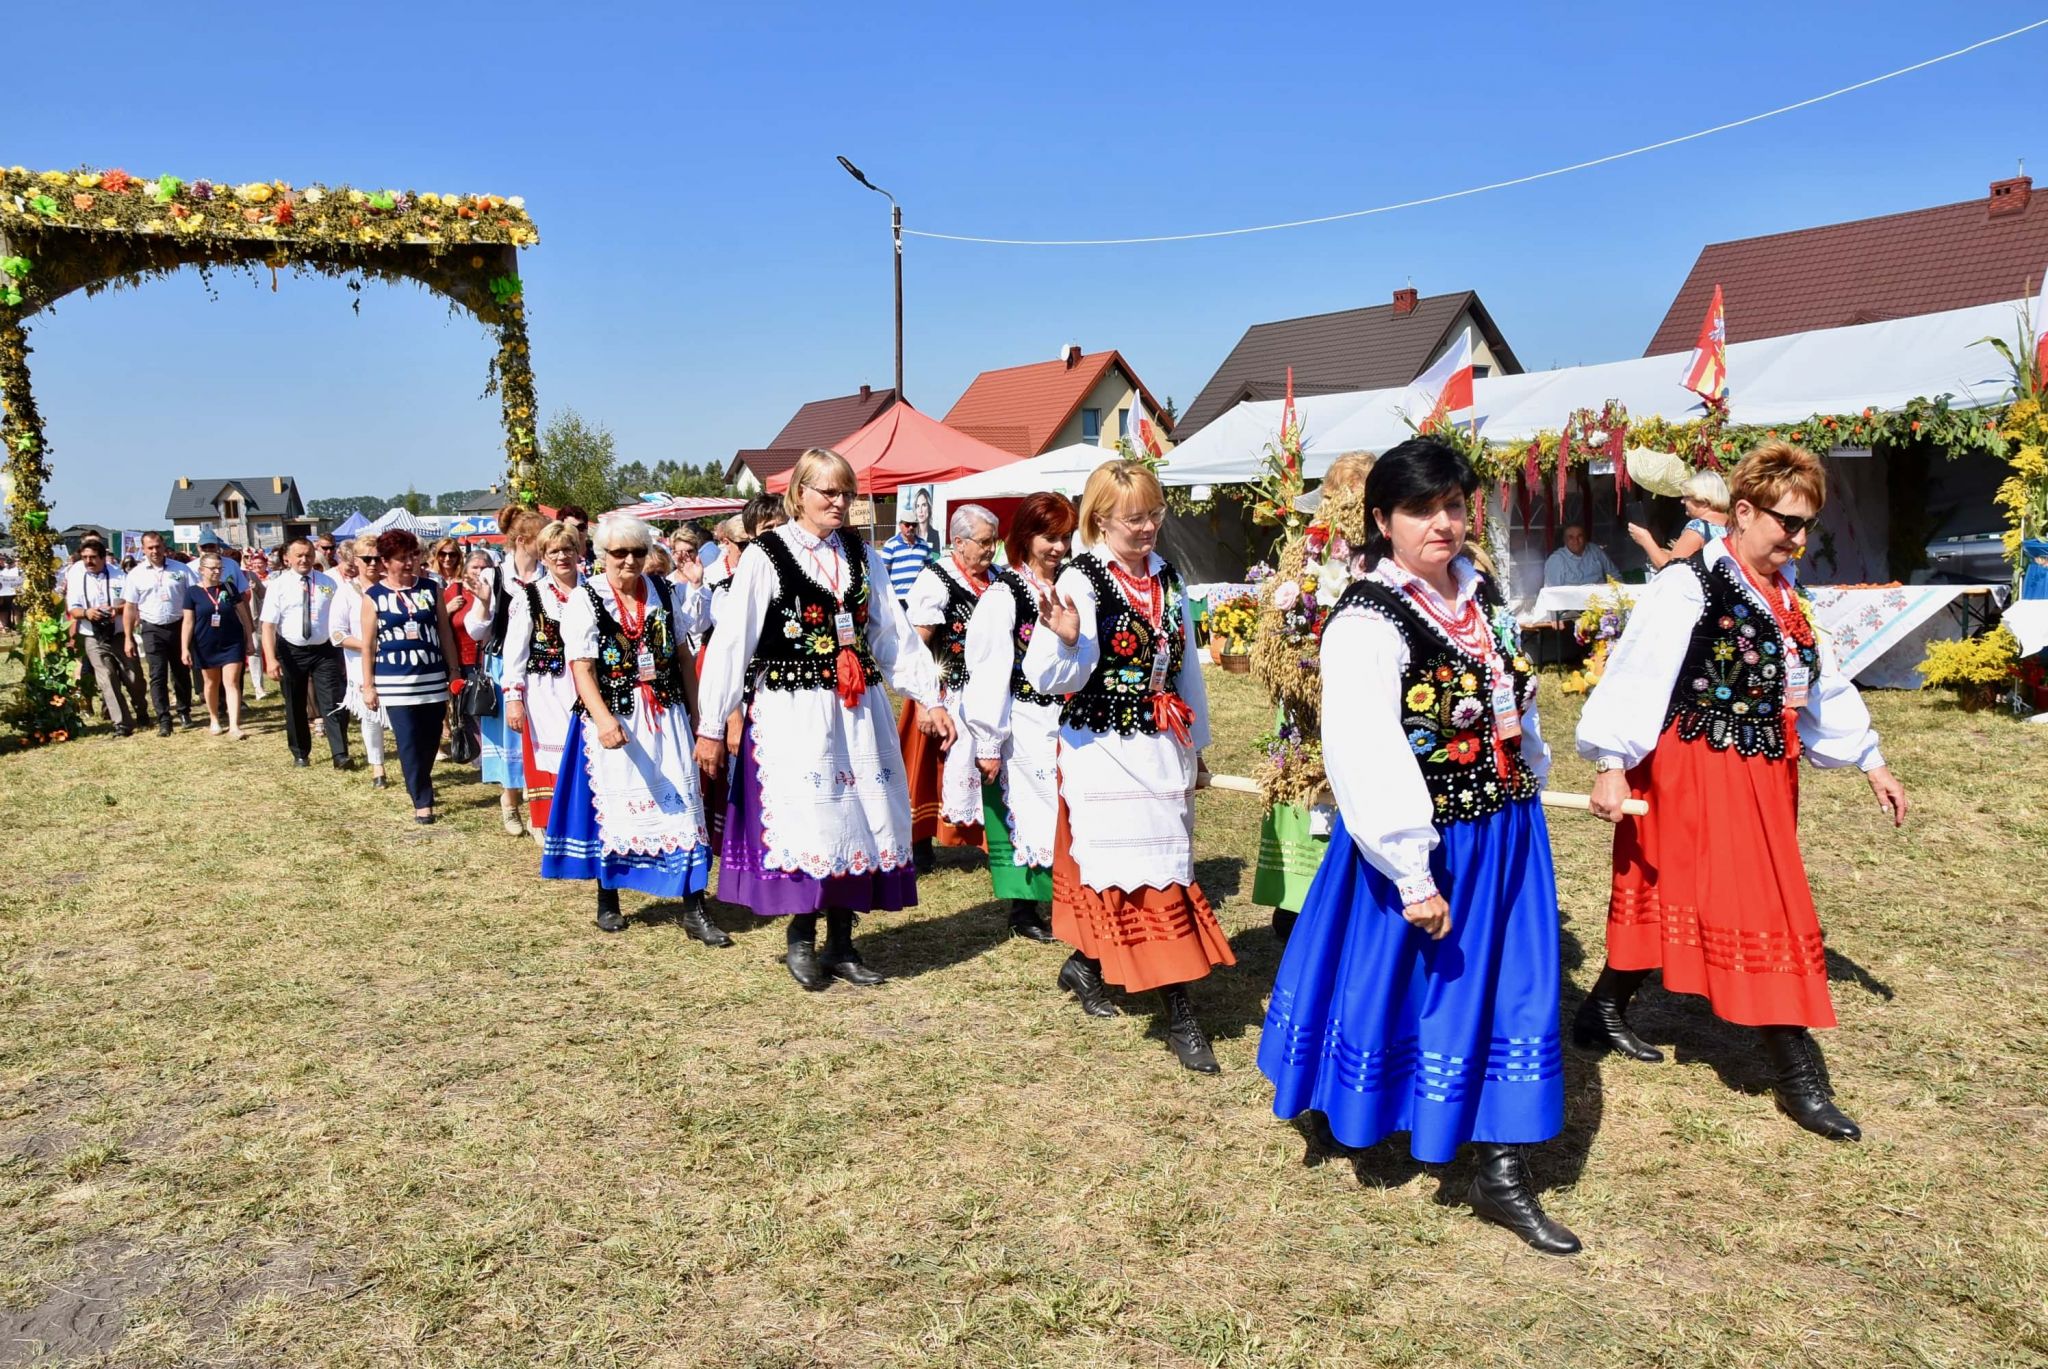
(463, 746)
(480, 694)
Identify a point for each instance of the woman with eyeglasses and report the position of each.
(363, 566)
(540, 692)
(1718, 686)
(405, 661)
(818, 818)
(1116, 635)
(945, 791)
(627, 812)
(217, 631)
(502, 756)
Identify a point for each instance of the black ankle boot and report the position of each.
(1082, 978)
(1283, 924)
(802, 956)
(609, 919)
(1026, 922)
(1803, 1090)
(840, 960)
(1184, 1034)
(1502, 1192)
(922, 857)
(700, 927)
(1600, 1024)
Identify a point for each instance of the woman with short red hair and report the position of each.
(1016, 729)
(1718, 685)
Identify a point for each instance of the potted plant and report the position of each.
(1979, 669)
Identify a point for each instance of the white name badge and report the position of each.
(646, 665)
(1798, 680)
(1161, 662)
(1507, 716)
(213, 620)
(412, 629)
(842, 624)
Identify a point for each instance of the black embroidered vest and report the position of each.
(1447, 705)
(1027, 621)
(799, 648)
(949, 638)
(1731, 690)
(618, 659)
(1118, 695)
(544, 654)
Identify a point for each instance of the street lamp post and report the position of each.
(896, 231)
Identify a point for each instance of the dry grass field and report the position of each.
(285, 1080)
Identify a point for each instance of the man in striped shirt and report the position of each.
(905, 555)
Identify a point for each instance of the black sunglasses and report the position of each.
(1791, 523)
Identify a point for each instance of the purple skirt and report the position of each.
(778, 893)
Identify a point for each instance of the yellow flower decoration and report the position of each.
(1468, 682)
(1421, 697)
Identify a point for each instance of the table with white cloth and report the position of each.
(1880, 634)
(1566, 602)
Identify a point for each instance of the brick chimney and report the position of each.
(1071, 355)
(1404, 300)
(2010, 196)
(866, 392)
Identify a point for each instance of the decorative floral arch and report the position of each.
(66, 231)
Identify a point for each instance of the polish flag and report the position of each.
(1706, 371)
(1444, 390)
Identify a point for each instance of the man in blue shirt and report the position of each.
(905, 555)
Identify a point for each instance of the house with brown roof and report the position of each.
(1926, 261)
(1375, 348)
(820, 423)
(1039, 407)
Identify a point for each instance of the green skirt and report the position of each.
(1288, 857)
(1010, 879)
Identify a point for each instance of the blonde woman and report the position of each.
(818, 814)
(1706, 519)
(540, 691)
(216, 634)
(1116, 634)
(502, 760)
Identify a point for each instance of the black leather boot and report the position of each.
(1026, 922)
(1283, 924)
(700, 927)
(1502, 1192)
(609, 919)
(802, 955)
(1184, 1034)
(1803, 1090)
(840, 960)
(1600, 1025)
(1082, 978)
(922, 857)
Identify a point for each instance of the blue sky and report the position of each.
(705, 267)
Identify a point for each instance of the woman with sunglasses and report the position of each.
(1717, 687)
(818, 813)
(540, 693)
(361, 569)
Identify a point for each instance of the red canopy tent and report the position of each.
(901, 446)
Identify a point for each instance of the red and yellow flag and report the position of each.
(1706, 373)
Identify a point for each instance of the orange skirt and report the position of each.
(1710, 888)
(1145, 940)
(923, 765)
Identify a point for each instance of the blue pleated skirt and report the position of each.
(1383, 1030)
(502, 757)
(573, 848)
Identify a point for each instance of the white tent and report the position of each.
(1063, 471)
(399, 517)
(1772, 380)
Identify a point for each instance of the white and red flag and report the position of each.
(1437, 396)
(1706, 371)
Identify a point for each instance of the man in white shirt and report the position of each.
(300, 653)
(1577, 562)
(10, 589)
(93, 592)
(156, 609)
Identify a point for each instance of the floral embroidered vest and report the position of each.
(949, 638)
(1731, 690)
(1118, 695)
(618, 659)
(544, 656)
(1027, 622)
(1447, 705)
(799, 648)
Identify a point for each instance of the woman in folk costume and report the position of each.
(502, 761)
(819, 815)
(1313, 569)
(1016, 730)
(1115, 634)
(945, 791)
(1717, 686)
(626, 811)
(1419, 990)
(540, 691)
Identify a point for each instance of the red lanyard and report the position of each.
(1791, 621)
(832, 561)
(1147, 596)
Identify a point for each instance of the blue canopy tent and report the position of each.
(352, 525)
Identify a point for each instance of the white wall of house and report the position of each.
(1112, 395)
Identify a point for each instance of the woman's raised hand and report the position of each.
(1057, 614)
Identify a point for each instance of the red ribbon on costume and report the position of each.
(1170, 713)
(850, 684)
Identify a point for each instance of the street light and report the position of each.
(896, 229)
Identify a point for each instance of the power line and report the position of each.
(1495, 185)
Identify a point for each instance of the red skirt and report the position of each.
(924, 764)
(1145, 940)
(540, 785)
(1710, 888)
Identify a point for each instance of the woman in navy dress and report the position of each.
(1419, 989)
(407, 673)
(216, 636)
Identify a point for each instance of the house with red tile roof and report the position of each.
(1044, 405)
(1926, 261)
(1374, 348)
(820, 423)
